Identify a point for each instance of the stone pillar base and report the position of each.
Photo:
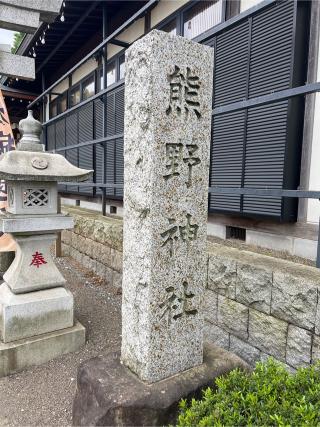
(18, 355)
(108, 393)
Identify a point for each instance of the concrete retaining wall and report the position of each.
(255, 305)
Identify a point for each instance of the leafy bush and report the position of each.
(268, 396)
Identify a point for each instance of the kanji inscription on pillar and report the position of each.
(168, 103)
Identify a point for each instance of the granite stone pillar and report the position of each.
(168, 102)
(166, 173)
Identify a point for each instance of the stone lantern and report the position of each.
(36, 311)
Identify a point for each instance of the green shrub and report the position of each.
(268, 396)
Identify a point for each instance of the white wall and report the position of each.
(84, 70)
(165, 8)
(131, 34)
(246, 4)
(60, 88)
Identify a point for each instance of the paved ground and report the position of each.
(43, 395)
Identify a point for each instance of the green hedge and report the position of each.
(268, 396)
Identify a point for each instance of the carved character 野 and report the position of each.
(175, 158)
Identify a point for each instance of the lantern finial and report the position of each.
(30, 129)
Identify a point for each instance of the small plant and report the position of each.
(268, 396)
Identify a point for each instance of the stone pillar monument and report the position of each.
(168, 104)
(36, 311)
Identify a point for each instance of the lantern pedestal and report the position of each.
(33, 267)
(18, 355)
(34, 313)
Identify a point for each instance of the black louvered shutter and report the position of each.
(119, 128)
(111, 122)
(61, 142)
(231, 65)
(228, 130)
(86, 134)
(110, 165)
(226, 159)
(119, 166)
(72, 139)
(51, 137)
(119, 110)
(114, 147)
(61, 133)
(264, 157)
(254, 147)
(99, 148)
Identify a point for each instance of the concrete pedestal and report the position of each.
(18, 355)
(108, 393)
(34, 313)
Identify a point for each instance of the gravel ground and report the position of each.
(43, 395)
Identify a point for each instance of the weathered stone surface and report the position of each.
(18, 224)
(34, 313)
(117, 280)
(166, 157)
(78, 256)
(89, 263)
(264, 357)
(84, 226)
(254, 287)
(117, 260)
(107, 232)
(244, 350)
(317, 321)
(222, 275)
(210, 306)
(18, 355)
(6, 259)
(123, 399)
(16, 19)
(233, 316)
(66, 236)
(17, 165)
(294, 299)
(100, 269)
(16, 203)
(315, 348)
(268, 334)
(79, 243)
(66, 251)
(48, 9)
(298, 347)
(23, 275)
(215, 335)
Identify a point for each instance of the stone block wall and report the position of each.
(96, 243)
(255, 305)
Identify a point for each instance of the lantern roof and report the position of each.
(29, 162)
